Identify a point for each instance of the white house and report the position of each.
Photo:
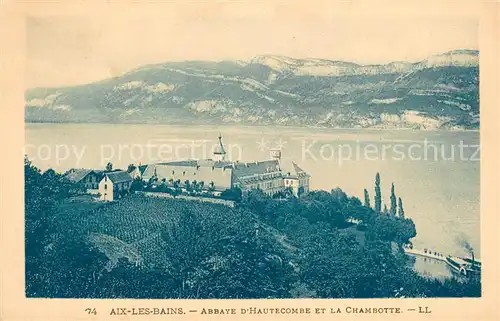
(297, 179)
(87, 177)
(114, 184)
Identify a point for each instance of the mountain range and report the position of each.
(440, 92)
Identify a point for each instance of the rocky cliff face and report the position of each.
(441, 91)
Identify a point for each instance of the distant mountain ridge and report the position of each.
(323, 67)
(439, 92)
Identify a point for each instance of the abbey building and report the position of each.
(219, 174)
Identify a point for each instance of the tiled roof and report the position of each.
(76, 175)
(216, 164)
(250, 169)
(296, 171)
(296, 168)
(118, 177)
(201, 163)
(221, 176)
(240, 169)
(192, 163)
(246, 173)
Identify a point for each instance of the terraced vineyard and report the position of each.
(133, 226)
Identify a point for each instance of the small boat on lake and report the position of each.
(464, 266)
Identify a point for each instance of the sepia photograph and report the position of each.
(252, 157)
(238, 159)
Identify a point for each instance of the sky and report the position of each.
(69, 50)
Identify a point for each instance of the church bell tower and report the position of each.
(219, 152)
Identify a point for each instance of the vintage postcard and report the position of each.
(250, 160)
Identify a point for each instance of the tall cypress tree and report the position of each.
(378, 195)
(393, 201)
(401, 212)
(367, 198)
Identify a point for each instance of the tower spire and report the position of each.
(219, 152)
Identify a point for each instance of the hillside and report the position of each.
(441, 91)
(144, 247)
(134, 228)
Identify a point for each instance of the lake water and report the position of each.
(435, 173)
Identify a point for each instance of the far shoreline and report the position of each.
(255, 126)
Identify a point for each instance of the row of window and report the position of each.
(124, 185)
(302, 182)
(265, 185)
(91, 179)
(92, 186)
(194, 173)
(264, 176)
(119, 185)
(183, 173)
(96, 185)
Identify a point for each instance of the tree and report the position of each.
(367, 199)
(194, 185)
(232, 194)
(339, 194)
(186, 247)
(378, 195)
(256, 201)
(286, 193)
(386, 211)
(388, 229)
(109, 167)
(137, 184)
(123, 192)
(401, 211)
(405, 230)
(393, 201)
(37, 205)
(131, 168)
(67, 272)
(43, 192)
(58, 186)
